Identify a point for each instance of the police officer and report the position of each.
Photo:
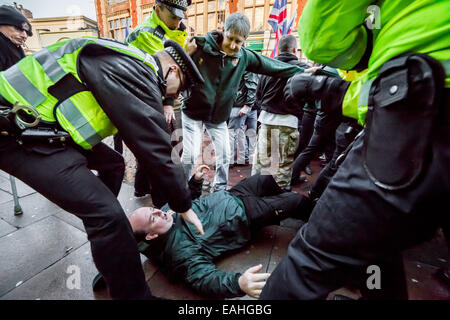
(90, 89)
(164, 23)
(390, 192)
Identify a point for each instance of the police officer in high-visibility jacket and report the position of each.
(165, 23)
(90, 89)
(391, 191)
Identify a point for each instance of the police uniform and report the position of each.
(92, 88)
(150, 37)
(390, 192)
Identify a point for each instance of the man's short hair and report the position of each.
(238, 23)
(287, 43)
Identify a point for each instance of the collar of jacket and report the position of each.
(286, 56)
(9, 48)
(156, 20)
(213, 41)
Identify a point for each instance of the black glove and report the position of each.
(330, 91)
(8, 125)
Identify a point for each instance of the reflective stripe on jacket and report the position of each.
(80, 115)
(151, 34)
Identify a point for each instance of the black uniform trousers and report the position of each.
(343, 140)
(306, 129)
(321, 137)
(267, 204)
(356, 224)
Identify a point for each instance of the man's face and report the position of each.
(232, 43)
(16, 35)
(153, 221)
(169, 19)
(175, 81)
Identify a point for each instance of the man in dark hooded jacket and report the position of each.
(222, 61)
(14, 31)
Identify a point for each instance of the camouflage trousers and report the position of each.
(274, 153)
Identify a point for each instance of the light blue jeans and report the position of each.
(192, 148)
(242, 136)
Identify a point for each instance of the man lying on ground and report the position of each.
(230, 219)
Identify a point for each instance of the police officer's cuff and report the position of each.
(168, 101)
(236, 286)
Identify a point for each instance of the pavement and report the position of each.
(45, 254)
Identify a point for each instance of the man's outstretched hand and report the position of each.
(191, 216)
(252, 282)
(201, 171)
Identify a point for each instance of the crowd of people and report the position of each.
(375, 104)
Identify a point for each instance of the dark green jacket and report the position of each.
(185, 255)
(212, 102)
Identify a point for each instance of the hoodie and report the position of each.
(212, 101)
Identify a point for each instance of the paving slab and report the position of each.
(30, 250)
(35, 207)
(126, 198)
(283, 236)
(434, 252)
(5, 196)
(22, 188)
(6, 228)
(292, 223)
(422, 283)
(161, 286)
(58, 283)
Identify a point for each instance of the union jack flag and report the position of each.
(278, 21)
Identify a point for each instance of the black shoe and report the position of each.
(98, 283)
(308, 170)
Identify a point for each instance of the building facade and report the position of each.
(116, 18)
(47, 31)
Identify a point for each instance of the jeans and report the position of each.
(192, 148)
(237, 130)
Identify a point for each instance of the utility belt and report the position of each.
(406, 101)
(24, 123)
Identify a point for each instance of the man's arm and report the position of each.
(205, 278)
(332, 32)
(260, 64)
(196, 182)
(131, 98)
